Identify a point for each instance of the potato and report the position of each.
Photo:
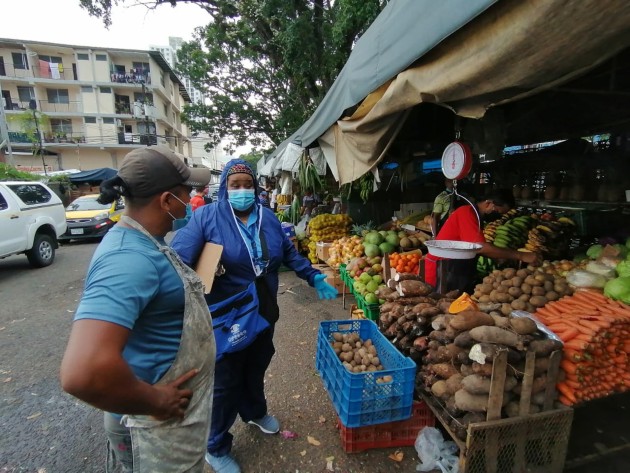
(517, 281)
(501, 289)
(523, 325)
(506, 309)
(524, 297)
(485, 299)
(509, 273)
(506, 283)
(515, 291)
(485, 288)
(526, 288)
(522, 273)
(518, 305)
(532, 281)
(469, 319)
(538, 291)
(548, 285)
(346, 347)
(552, 296)
(337, 336)
(538, 301)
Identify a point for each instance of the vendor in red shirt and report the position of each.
(464, 225)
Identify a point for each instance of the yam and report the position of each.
(383, 292)
(541, 366)
(471, 402)
(465, 370)
(523, 325)
(464, 340)
(439, 389)
(452, 408)
(494, 335)
(454, 383)
(430, 312)
(482, 370)
(413, 288)
(501, 321)
(443, 370)
(440, 336)
(512, 409)
(478, 384)
(470, 319)
(538, 398)
(539, 384)
(472, 418)
(439, 323)
(485, 352)
(544, 348)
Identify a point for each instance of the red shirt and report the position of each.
(462, 225)
(197, 201)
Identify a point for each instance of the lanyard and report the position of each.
(259, 265)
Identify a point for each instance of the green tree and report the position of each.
(264, 65)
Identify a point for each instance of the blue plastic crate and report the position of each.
(362, 399)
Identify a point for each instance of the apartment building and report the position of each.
(93, 105)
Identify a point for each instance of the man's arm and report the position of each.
(94, 371)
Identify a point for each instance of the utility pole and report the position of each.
(4, 131)
(33, 106)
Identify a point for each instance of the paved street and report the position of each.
(42, 428)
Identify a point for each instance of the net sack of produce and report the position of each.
(435, 452)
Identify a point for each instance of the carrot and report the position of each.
(567, 392)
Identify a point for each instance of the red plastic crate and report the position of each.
(401, 433)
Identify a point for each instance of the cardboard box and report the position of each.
(208, 263)
(332, 276)
(356, 313)
(322, 250)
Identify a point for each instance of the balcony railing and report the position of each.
(56, 71)
(134, 139)
(19, 137)
(131, 77)
(123, 109)
(48, 107)
(61, 137)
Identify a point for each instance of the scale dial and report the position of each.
(456, 160)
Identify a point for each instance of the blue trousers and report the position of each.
(239, 389)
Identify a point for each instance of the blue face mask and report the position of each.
(181, 222)
(241, 199)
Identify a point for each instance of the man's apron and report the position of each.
(176, 445)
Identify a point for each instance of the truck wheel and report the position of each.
(43, 251)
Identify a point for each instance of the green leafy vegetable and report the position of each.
(618, 289)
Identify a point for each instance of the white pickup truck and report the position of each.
(32, 217)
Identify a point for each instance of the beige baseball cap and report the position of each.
(154, 169)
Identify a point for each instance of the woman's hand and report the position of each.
(174, 401)
(324, 290)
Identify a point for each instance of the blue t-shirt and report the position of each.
(132, 284)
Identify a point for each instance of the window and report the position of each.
(101, 57)
(31, 194)
(61, 126)
(19, 60)
(58, 95)
(3, 203)
(140, 97)
(89, 119)
(162, 79)
(119, 69)
(106, 90)
(165, 110)
(83, 57)
(87, 89)
(53, 59)
(141, 67)
(108, 120)
(26, 94)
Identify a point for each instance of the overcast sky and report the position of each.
(64, 21)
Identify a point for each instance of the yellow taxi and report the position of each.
(87, 218)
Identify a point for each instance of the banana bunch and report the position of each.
(366, 186)
(513, 233)
(550, 237)
(283, 199)
(490, 229)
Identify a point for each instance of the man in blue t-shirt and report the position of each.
(129, 347)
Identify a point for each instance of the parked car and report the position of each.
(31, 220)
(87, 218)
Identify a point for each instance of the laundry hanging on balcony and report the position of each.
(54, 70)
(44, 69)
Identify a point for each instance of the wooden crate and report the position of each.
(527, 443)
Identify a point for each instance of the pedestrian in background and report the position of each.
(441, 207)
(243, 301)
(198, 199)
(274, 198)
(141, 346)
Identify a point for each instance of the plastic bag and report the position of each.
(300, 228)
(581, 278)
(436, 453)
